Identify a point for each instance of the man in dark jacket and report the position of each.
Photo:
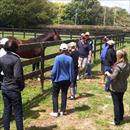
(12, 85)
(110, 59)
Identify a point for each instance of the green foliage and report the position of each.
(25, 13)
(83, 12)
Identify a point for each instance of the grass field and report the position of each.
(92, 110)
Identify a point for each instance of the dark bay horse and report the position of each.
(35, 52)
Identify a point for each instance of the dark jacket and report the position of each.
(110, 57)
(83, 48)
(75, 56)
(11, 66)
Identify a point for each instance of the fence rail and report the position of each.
(119, 42)
(64, 32)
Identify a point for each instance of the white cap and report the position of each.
(63, 46)
(110, 42)
(3, 41)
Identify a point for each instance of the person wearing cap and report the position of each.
(110, 59)
(90, 42)
(2, 43)
(84, 51)
(62, 76)
(119, 76)
(102, 57)
(12, 85)
(2, 53)
(75, 55)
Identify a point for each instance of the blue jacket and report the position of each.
(103, 52)
(63, 68)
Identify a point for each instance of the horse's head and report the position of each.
(51, 36)
(14, 39)
(56, 36)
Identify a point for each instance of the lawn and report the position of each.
(92, 110)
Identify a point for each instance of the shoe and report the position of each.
(78, 77)
(114, 123)
(63, 113)
(54, 114)
(71, 98)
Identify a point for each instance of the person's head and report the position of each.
(87, 34)
(3, 41)
(72, 46)
(110, 43)
(105, 39)
(82, 36)
(11, 45)
(121, 56)
(63, 48)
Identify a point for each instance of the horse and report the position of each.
(35, 52)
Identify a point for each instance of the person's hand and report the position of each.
(107, 73)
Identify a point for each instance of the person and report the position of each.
(12, 85)
(2, 53)
(119, 77)
(102, 57)
(84, 51)
(75, 55)
(62, 76)
(110, 59)
(90, 42)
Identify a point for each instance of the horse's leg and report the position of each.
(34, 67)
(37, 65)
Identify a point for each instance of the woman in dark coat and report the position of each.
(119, 76)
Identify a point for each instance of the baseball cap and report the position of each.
(110, 42)
(87, 33)
(3, 41)
(63, 46)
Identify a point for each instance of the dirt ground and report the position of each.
(71, 121)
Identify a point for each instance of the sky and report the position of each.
(125, 4)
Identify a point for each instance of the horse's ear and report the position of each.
(55, 31)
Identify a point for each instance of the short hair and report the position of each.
(11, 45)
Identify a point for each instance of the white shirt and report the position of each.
(2, 53)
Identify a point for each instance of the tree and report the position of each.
(83, 11)
(26, 13)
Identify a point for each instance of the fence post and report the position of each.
(94, 55)
(12, 33)
(24, 35)
(42, 66)
(2, 33)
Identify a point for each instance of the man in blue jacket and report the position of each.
(62, 76)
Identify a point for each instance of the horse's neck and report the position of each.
(45, 38)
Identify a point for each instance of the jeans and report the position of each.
(108, 80)
(57, 86)
(88, 70)
(117, 99)
(73, 85)
(12, 101)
